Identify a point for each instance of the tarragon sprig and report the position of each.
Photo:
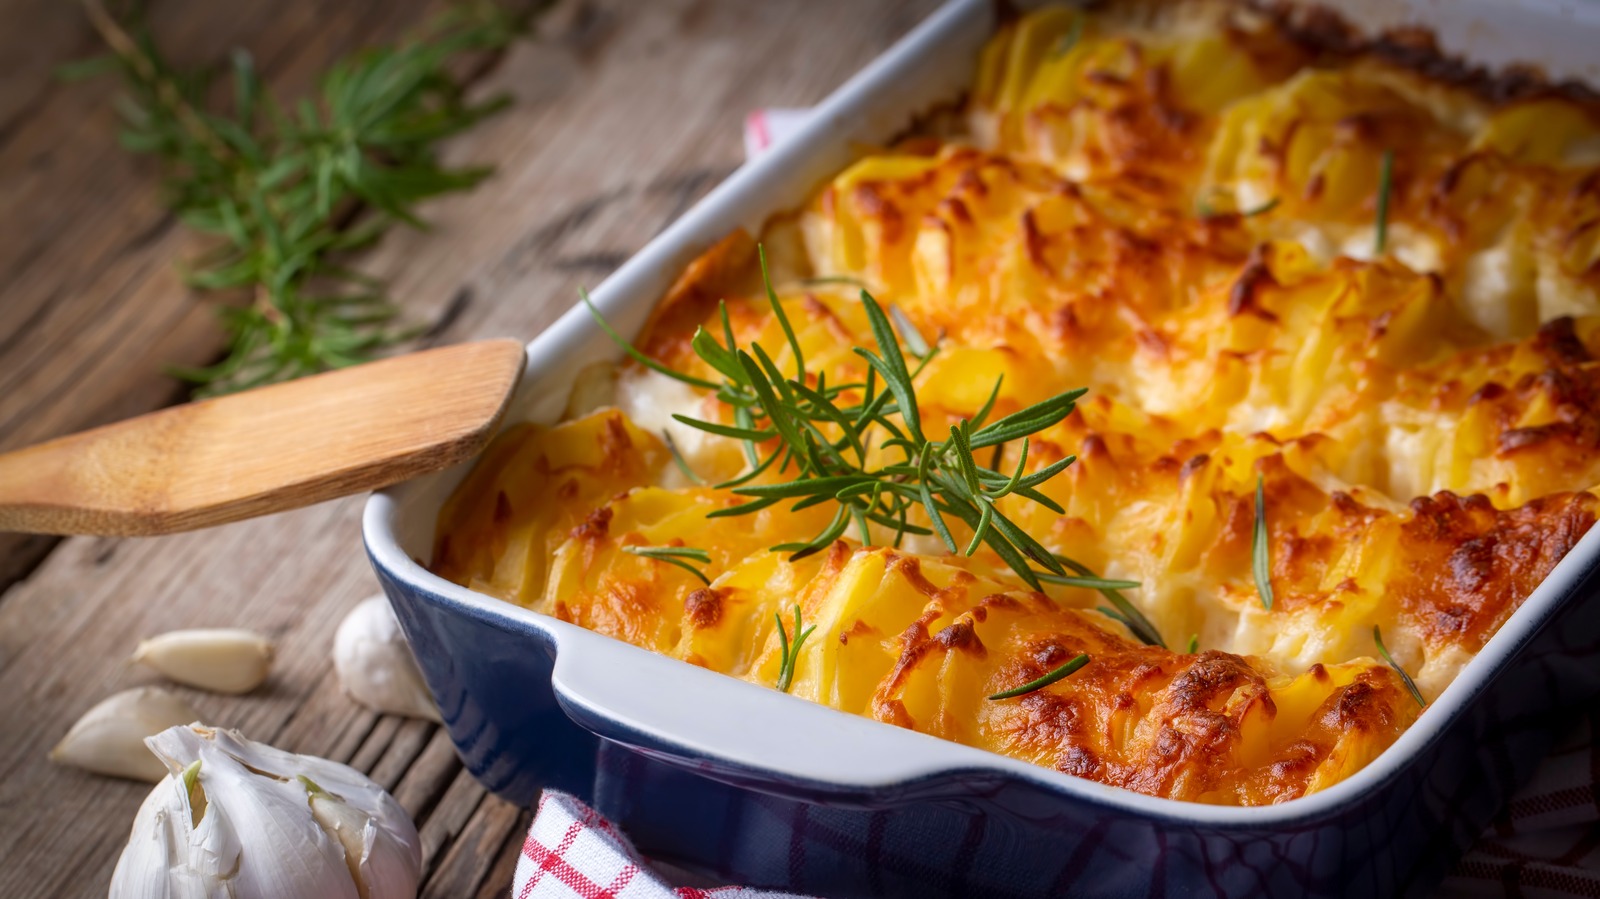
(863, 448)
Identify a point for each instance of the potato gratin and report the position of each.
(1363, 273)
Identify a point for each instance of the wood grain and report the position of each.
(91, 305)
(625, 114)
(266, 450)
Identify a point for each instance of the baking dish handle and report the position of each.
(750, 736)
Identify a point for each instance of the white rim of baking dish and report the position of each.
(642, 692)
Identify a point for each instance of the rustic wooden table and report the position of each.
(625, 114)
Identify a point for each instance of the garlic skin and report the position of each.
(375, 663)
(222, 660)
(110, 738)
(235, 819)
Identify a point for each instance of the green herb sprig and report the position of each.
(1194, 643)
(941, 477)
(1377, 638)
(790, 650)
(288, 191)
(1260, 548)
(1071, 666)
(1066, 42)
(681, 556)
(679, 460)
(1122, 610)
(1380, 236)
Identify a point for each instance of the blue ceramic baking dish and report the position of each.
(743, 782)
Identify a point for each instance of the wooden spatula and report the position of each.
(264, 450)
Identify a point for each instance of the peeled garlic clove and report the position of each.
(223, 660)
(375, 663)
(109, 738)
(244, 820)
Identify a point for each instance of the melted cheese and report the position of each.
(1425, 420)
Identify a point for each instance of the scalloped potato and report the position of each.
(1182, 208)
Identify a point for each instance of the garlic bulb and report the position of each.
(236, 819)
(375, 663)
(109, 738)
(224, 660)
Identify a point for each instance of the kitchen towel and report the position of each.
(572, 851)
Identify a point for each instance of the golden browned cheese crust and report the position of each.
(1177, 207)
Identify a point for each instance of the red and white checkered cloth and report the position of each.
(574, 853)
(1545, 845)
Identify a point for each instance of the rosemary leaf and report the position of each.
(1377, 638)
(1385, 183)
(1141, 626)
(1087, 583)
(1069, 668)
(681, 556)
(1260, 549)
(790, 650)
(679, 460)
(1066, 42)
(913, 338)
(781, 316)
(721, 430)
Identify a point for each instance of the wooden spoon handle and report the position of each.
(265, 450)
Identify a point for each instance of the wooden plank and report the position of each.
(473, 857)
(626, 113)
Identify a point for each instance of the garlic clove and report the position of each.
(344, 823)
(152, 843)
(244, 820)
(223, 660)
(375, 663)
(109, 738)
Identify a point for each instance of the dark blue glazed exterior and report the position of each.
(973, 833)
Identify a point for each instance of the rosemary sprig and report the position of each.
(1071, 666)
(681, 556)
(829, 280)
(1385, 178)
(1123, 610)
(1066, 42)
(913, 339)
(829, 440)
(287, 191)
(1377, 637)
(679, 460)
(790, 650)
(1260, 550)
